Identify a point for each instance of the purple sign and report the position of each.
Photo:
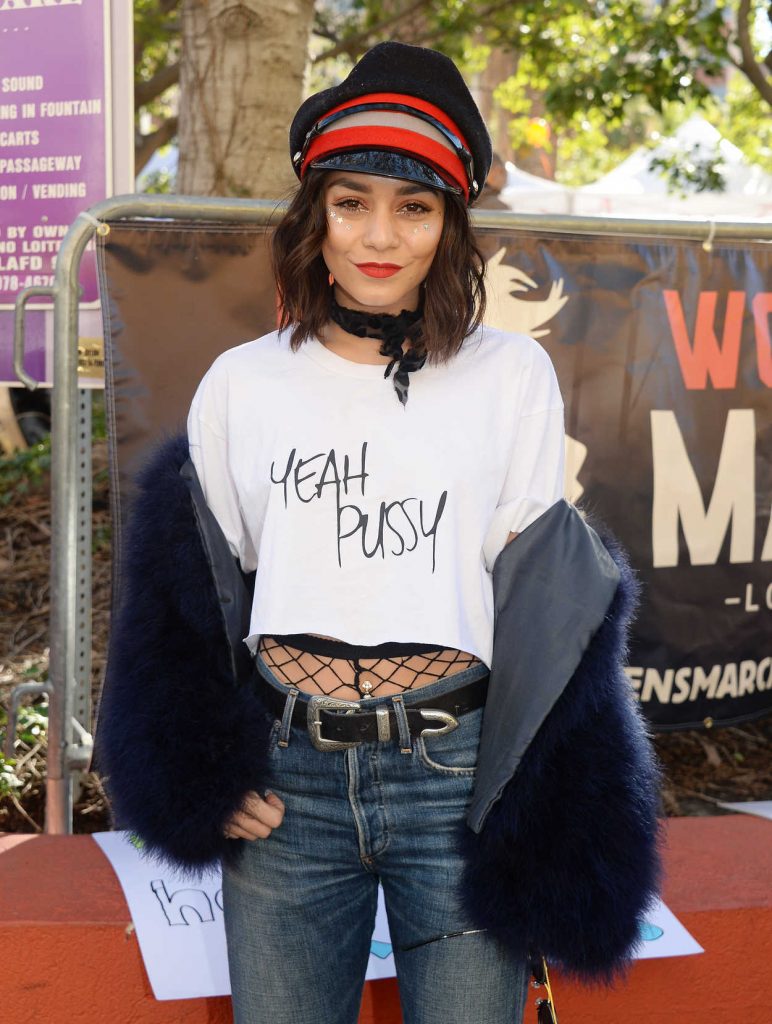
(54, 138)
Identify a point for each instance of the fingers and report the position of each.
(269, 811)
(254, 830)
(272, 798)
(234, 831)
(257, 817)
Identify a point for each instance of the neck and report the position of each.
(358, 350)
(398, 335)
(371, 336)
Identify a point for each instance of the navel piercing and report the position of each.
(365, 686)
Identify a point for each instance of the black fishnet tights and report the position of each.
(355, 678)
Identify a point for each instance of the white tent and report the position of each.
(632, 189)
(528, 193)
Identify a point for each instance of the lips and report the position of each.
(378, 269)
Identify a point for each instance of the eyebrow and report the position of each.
(356, 186)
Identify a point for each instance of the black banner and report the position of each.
(663, 354)
(664, 359)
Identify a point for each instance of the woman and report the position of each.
(369, 463)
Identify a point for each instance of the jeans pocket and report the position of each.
(454, 753)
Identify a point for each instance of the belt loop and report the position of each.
(286, 718)
(405, 742)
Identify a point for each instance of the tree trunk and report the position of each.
(501, 64)
(241, 81)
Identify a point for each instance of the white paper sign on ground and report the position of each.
(761, 808)
(180, 930)
(664, 935)
(179, 925)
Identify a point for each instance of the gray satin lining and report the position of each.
(231, 589)
(552, 587)
(376, 119)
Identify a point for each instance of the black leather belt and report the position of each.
(335, 724)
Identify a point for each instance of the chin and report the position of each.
(384, 300)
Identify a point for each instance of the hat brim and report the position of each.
(386, 164)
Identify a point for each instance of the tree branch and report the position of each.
(436, 34)
(148, 144)
(326, 33)
(353, 44)
(165, 8)
(494, 8)
(323, 29)
(360, 40)
(749, 65)
(144, 92)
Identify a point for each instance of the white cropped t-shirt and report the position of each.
(367, 520)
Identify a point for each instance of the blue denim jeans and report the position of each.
(299, 907)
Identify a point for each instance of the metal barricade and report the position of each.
(69, 689)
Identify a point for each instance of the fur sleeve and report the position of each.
(179, 741)
(568, 861)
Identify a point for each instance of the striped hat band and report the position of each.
(393, 122)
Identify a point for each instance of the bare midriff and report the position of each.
(334, 677)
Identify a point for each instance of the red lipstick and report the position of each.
(378, 269)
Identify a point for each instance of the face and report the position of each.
(382, 234)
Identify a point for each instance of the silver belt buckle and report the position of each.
(318, 703)
(436, 715)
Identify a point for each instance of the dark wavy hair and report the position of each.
(454, 293)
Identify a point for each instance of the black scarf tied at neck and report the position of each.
(392, 330)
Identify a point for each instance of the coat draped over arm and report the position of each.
(563, 837)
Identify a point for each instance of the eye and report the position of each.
(416, 209)
(349, 205)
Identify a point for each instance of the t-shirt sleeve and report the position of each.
(536, 469)
(208, 443)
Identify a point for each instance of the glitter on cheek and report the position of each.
(426, 227)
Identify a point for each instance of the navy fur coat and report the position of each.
(563, 843)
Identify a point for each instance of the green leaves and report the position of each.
(9, 783)
(691, 171)
(32, 728)
(24, 470)
(31, 724)
(603, 55)
(603, 73)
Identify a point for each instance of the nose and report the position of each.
(380, 230)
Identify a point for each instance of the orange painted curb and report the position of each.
(73, 954)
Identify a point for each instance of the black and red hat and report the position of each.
(403, 112)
